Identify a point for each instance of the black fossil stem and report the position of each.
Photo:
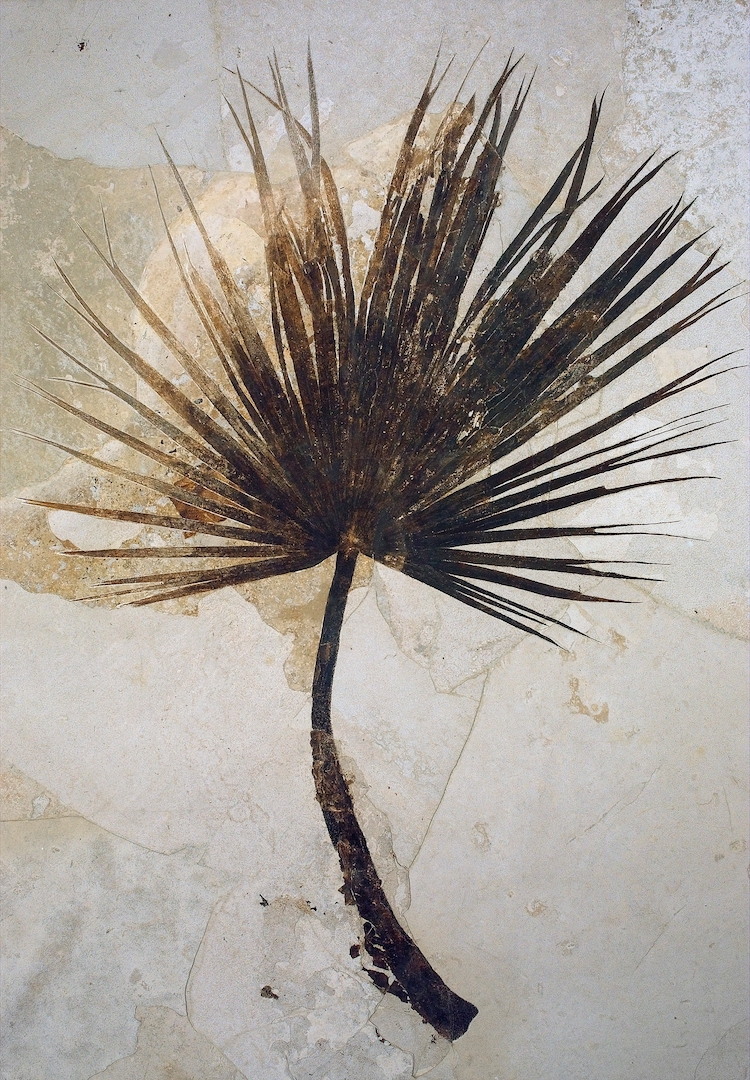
(436, 1003)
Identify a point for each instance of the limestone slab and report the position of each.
(579, 877)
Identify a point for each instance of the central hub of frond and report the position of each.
(375, 533)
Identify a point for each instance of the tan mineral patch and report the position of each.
(44, 199)
(23, 799)
(731, 616)
(576, 704)
(294, 604)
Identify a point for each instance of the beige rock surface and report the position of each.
(169, 1047)
(563, 832)
(619, 769)
(93, 925)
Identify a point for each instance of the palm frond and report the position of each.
(369, 422)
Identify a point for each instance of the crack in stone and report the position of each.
(104, 829)
(381, 602)
(715, 1045)
(156, 1049)
(384, 1038)
(729, 812)
(621, 803)
(57, 817)
(692, 616)
(480, 702)
(659, 936)
(192, 964)
(125, 1057)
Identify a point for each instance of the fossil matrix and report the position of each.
(399, 421)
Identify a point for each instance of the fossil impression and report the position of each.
(397, 423)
